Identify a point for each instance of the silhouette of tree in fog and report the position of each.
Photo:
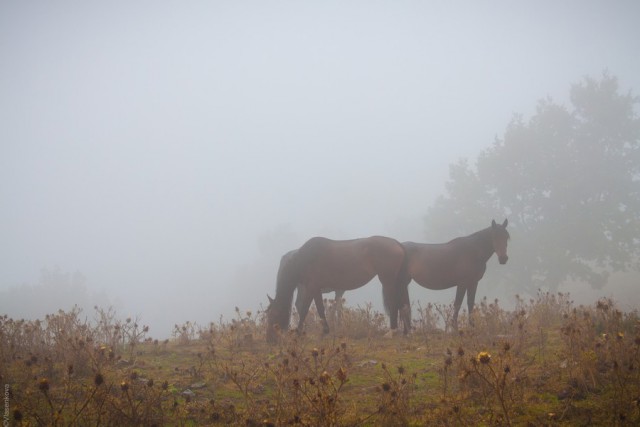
(56, 290)
(569, 182)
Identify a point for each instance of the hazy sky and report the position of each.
(150, 144)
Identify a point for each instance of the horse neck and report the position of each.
(482, 239)
(285, 287)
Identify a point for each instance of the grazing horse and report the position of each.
(339, 293)
(460, 262)
(322, 264)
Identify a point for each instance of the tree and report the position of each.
(56, 290)
(569, 182)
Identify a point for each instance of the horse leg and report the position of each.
(460, 291)
(404, 307)
(471, 298)
(338, 300)
(303, 302)
(320, 307)
(390, 297)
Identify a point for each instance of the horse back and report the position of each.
(349, 264)
(442, 265)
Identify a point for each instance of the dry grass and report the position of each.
(545, 363)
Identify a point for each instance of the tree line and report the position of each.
(568, 179)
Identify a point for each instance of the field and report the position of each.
(547, 362)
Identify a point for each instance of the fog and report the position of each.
(168, 153)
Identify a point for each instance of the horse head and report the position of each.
(277, 320)
(499, 238)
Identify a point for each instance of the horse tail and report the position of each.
(403, 280)
(395, 296)
(388, 300)
(401, 297)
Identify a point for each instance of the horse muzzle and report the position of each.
(503, 259)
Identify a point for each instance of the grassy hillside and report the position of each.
(545, 363)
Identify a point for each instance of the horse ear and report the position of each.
(493, 223)
(504, 224)
(271, 300)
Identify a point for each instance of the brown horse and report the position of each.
(339, 293)
(323, 265)
(460, 262)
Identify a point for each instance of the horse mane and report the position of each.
(483, 239)
(481, 234)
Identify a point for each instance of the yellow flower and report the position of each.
(484, 357)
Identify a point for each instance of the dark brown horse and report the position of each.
(322, 265)
(460, 262)
(339, 293)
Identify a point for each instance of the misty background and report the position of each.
(160, 157)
